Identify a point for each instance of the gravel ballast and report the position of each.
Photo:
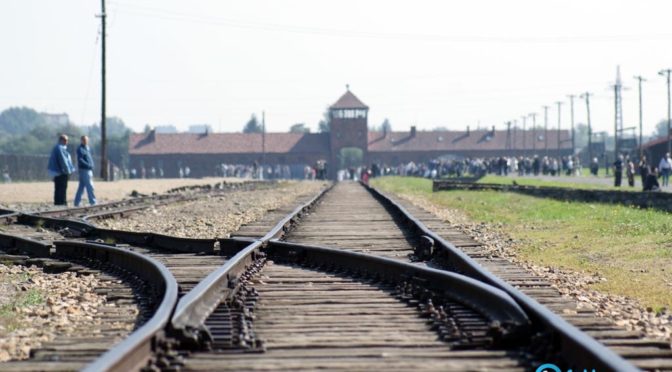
(624, 311)
(37, 307)
(215, 216)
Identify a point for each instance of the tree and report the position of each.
(661, 129)
(323, 126)
(299, 128)
(253, 125)
(19, 120)
(386, 126)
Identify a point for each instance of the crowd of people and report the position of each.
(60, 167)
(649, 174)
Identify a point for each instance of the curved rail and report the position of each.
(576, 345)
(194, 307)
(134, 351)
(492, 302)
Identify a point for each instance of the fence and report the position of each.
(23, 167)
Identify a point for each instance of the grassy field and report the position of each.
(502, 180)
(631, 248)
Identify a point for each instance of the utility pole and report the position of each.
(524, 118)
(590, 130)
(559, 121)
(103, 129)
(618, 112)
(534, 133)
(545, 130)
(263, 142)
(669, 121)
(641, 148)
(571, 112)
(508, 135)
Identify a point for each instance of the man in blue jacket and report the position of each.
(85, 165)
(60, 167)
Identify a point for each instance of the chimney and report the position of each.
(151, 136)
(468, 132)
(413, 131)
(493, 130)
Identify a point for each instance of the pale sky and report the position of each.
(424, 63)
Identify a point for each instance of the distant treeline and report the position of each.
(24, 131)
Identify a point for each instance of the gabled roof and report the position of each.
(477, 140)
(349, 101)
(654, 142)
(227, 143)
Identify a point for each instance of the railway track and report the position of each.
(137, 286)
(186, 260)
(647, 354)
(381, 297)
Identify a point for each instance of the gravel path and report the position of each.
(623, 311)
(36, 307)
(216, 216)
(28, 195)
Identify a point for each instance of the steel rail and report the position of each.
(576, 346)
(135, 350)
(493, 303)
(195, 306)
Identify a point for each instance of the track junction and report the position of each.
(348, 279)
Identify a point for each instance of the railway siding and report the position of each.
(649, 354)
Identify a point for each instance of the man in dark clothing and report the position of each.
(85, 165)
(618, 171)
(651, 182)
(60, 167)
(643, 169)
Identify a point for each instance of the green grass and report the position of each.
(630, 247)
(9, 318)
(502, 180)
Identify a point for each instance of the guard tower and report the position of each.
(349, 133)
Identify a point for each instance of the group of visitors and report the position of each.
(60, 168)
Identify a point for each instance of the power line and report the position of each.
(159, 13)
(559, 121)
(103, 129)
(640, 79)
(533, 115)
(545, 130)
(667, 72)
(586, 96)
(571, 111)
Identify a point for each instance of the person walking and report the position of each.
(643, 169)
(618, 171)
(85, 165)
(665, 166)
(60, 168)
(630, 172)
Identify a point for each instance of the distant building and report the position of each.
(164, 129)
(55, 119)
(200, 128)
(655, 149)
(348, 144)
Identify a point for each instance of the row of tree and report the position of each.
(24, 131)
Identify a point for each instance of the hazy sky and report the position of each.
(428, 63)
